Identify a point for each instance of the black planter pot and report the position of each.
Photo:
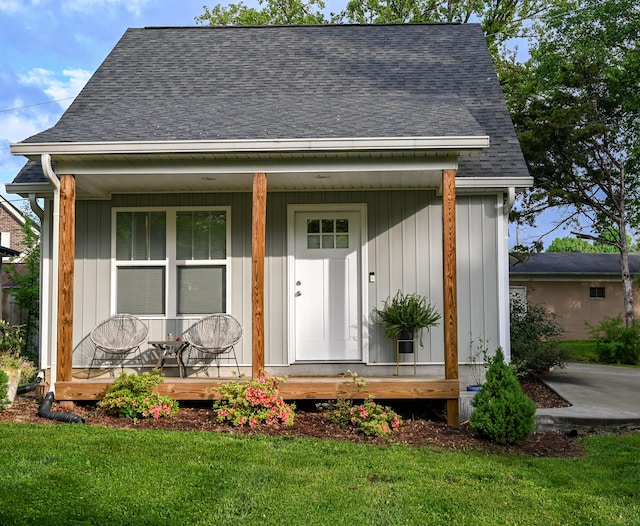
(406, 342)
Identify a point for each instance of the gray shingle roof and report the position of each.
(572, 263)
(284, 82)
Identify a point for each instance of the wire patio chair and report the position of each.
(215, 334)
(118, 336)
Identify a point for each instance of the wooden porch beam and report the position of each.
(257, 262)
(66, 257)
(450, 307)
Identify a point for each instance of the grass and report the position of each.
(66, 474)
(582, 351)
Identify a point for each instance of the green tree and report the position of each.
(26, 289)
(501, 20)
(271, 12)
(574, 244)
(578, 118)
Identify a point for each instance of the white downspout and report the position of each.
(55, 265)
(43, 336)
(503, 270)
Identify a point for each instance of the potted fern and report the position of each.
(404, 315)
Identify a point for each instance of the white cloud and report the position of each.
(10, 6)
(89, 6)
(59, 89)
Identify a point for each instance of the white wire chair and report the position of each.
(215, 334)
(118, 336)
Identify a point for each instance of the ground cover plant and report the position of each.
(367, 416)
(75, 474)
(136, 396)
(254, 402)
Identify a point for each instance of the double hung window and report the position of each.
(171, 262)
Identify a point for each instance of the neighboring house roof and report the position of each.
(571, 263)
(296, 82)
(6, 251)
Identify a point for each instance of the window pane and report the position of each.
(201, 290)
(313, 226)
(141, 290)
(123, 236)
(327, 226)
(218, 222)
(342, 241)
(201, 235)
(327, 241)
(184, 235)
(342, 226)
(140, 236)
(158, 236)
(313, 241)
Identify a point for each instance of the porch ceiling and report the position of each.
(97, 177)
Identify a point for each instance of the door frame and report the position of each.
(360, 208)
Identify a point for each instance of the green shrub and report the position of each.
(535, 338)
(252, 403)
(4, 389)
(503, 413)
(616, 343)
(367, 417)
(136, 396)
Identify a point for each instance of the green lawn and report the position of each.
(72, 474)
(583, 351)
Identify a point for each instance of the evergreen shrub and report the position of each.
(503, 413)
(4, 389)
(615, 343)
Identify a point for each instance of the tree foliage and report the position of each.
(26, 288)
(501, 20)
(577, 112)
(574, 244)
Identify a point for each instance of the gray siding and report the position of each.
(404, 250)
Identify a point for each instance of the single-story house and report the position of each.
(581, 289)
(292, 176)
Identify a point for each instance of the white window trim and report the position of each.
(170, 263)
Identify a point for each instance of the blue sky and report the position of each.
(50, 48)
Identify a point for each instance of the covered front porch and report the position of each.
(83, 178)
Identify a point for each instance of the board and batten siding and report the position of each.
(404, 250)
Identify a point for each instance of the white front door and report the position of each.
(326, 287)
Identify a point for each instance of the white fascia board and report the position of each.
(491, 183)
(464, 143)
(39, 189)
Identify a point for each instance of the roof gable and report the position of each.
(284, 82)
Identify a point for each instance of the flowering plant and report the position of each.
(11, 344)
(368, 417)
(252, 403)
(136, 396)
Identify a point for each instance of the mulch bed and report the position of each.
(423, 425)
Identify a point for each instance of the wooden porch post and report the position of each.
(66, 256)
(257, 263)
(450, 287)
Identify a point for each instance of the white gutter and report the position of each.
(250, 145)
(52, 290)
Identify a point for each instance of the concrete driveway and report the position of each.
(604, 399)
